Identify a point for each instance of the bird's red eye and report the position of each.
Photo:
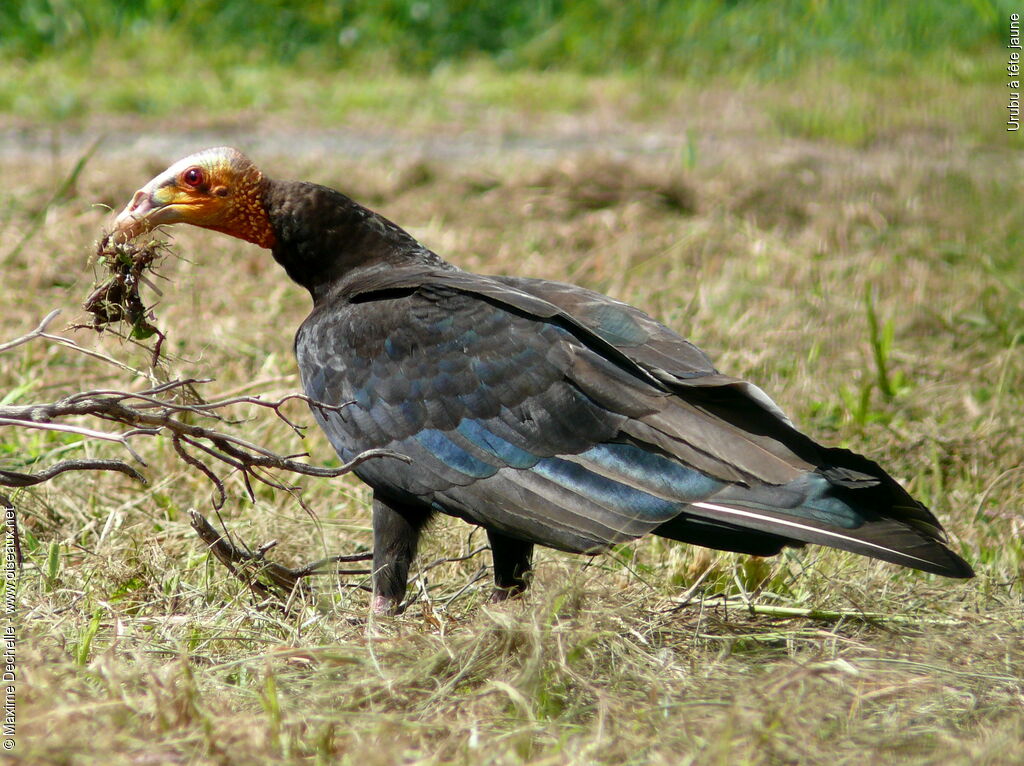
(193, 177)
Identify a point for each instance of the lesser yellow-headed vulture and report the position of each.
(546, 413)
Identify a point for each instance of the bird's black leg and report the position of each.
(396, 531)
(512, 565)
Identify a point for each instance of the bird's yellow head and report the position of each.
(219, 189)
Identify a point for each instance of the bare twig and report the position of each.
(149, 414)
(452, 559)
(17, 479)
(89, 433)
(41, 332)
(161, 409)
(36, 333)
(263, 577)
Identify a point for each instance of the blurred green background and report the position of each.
(694, 38)
(64, 59)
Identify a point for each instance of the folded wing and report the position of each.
(562, 417)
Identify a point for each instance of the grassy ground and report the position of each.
(774, 232)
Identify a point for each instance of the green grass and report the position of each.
(700, 37)
(338, 62)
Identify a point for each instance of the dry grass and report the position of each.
(136, 648)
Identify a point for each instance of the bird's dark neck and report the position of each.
(323, 236)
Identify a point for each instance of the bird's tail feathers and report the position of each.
(880, 538)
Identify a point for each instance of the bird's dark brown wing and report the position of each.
(478, 396)
(572, 424)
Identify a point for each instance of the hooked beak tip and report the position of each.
(133, 220)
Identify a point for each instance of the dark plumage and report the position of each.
(546, 413)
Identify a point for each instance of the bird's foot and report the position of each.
(498, 595)
(385, 606)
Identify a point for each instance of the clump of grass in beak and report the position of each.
(115, 297)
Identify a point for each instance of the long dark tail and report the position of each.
(856, 507)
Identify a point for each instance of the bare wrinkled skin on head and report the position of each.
(218, 188)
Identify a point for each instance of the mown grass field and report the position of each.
(846, 238)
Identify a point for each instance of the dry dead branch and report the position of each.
(161, 410)
(171, 409)
(267, 578)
